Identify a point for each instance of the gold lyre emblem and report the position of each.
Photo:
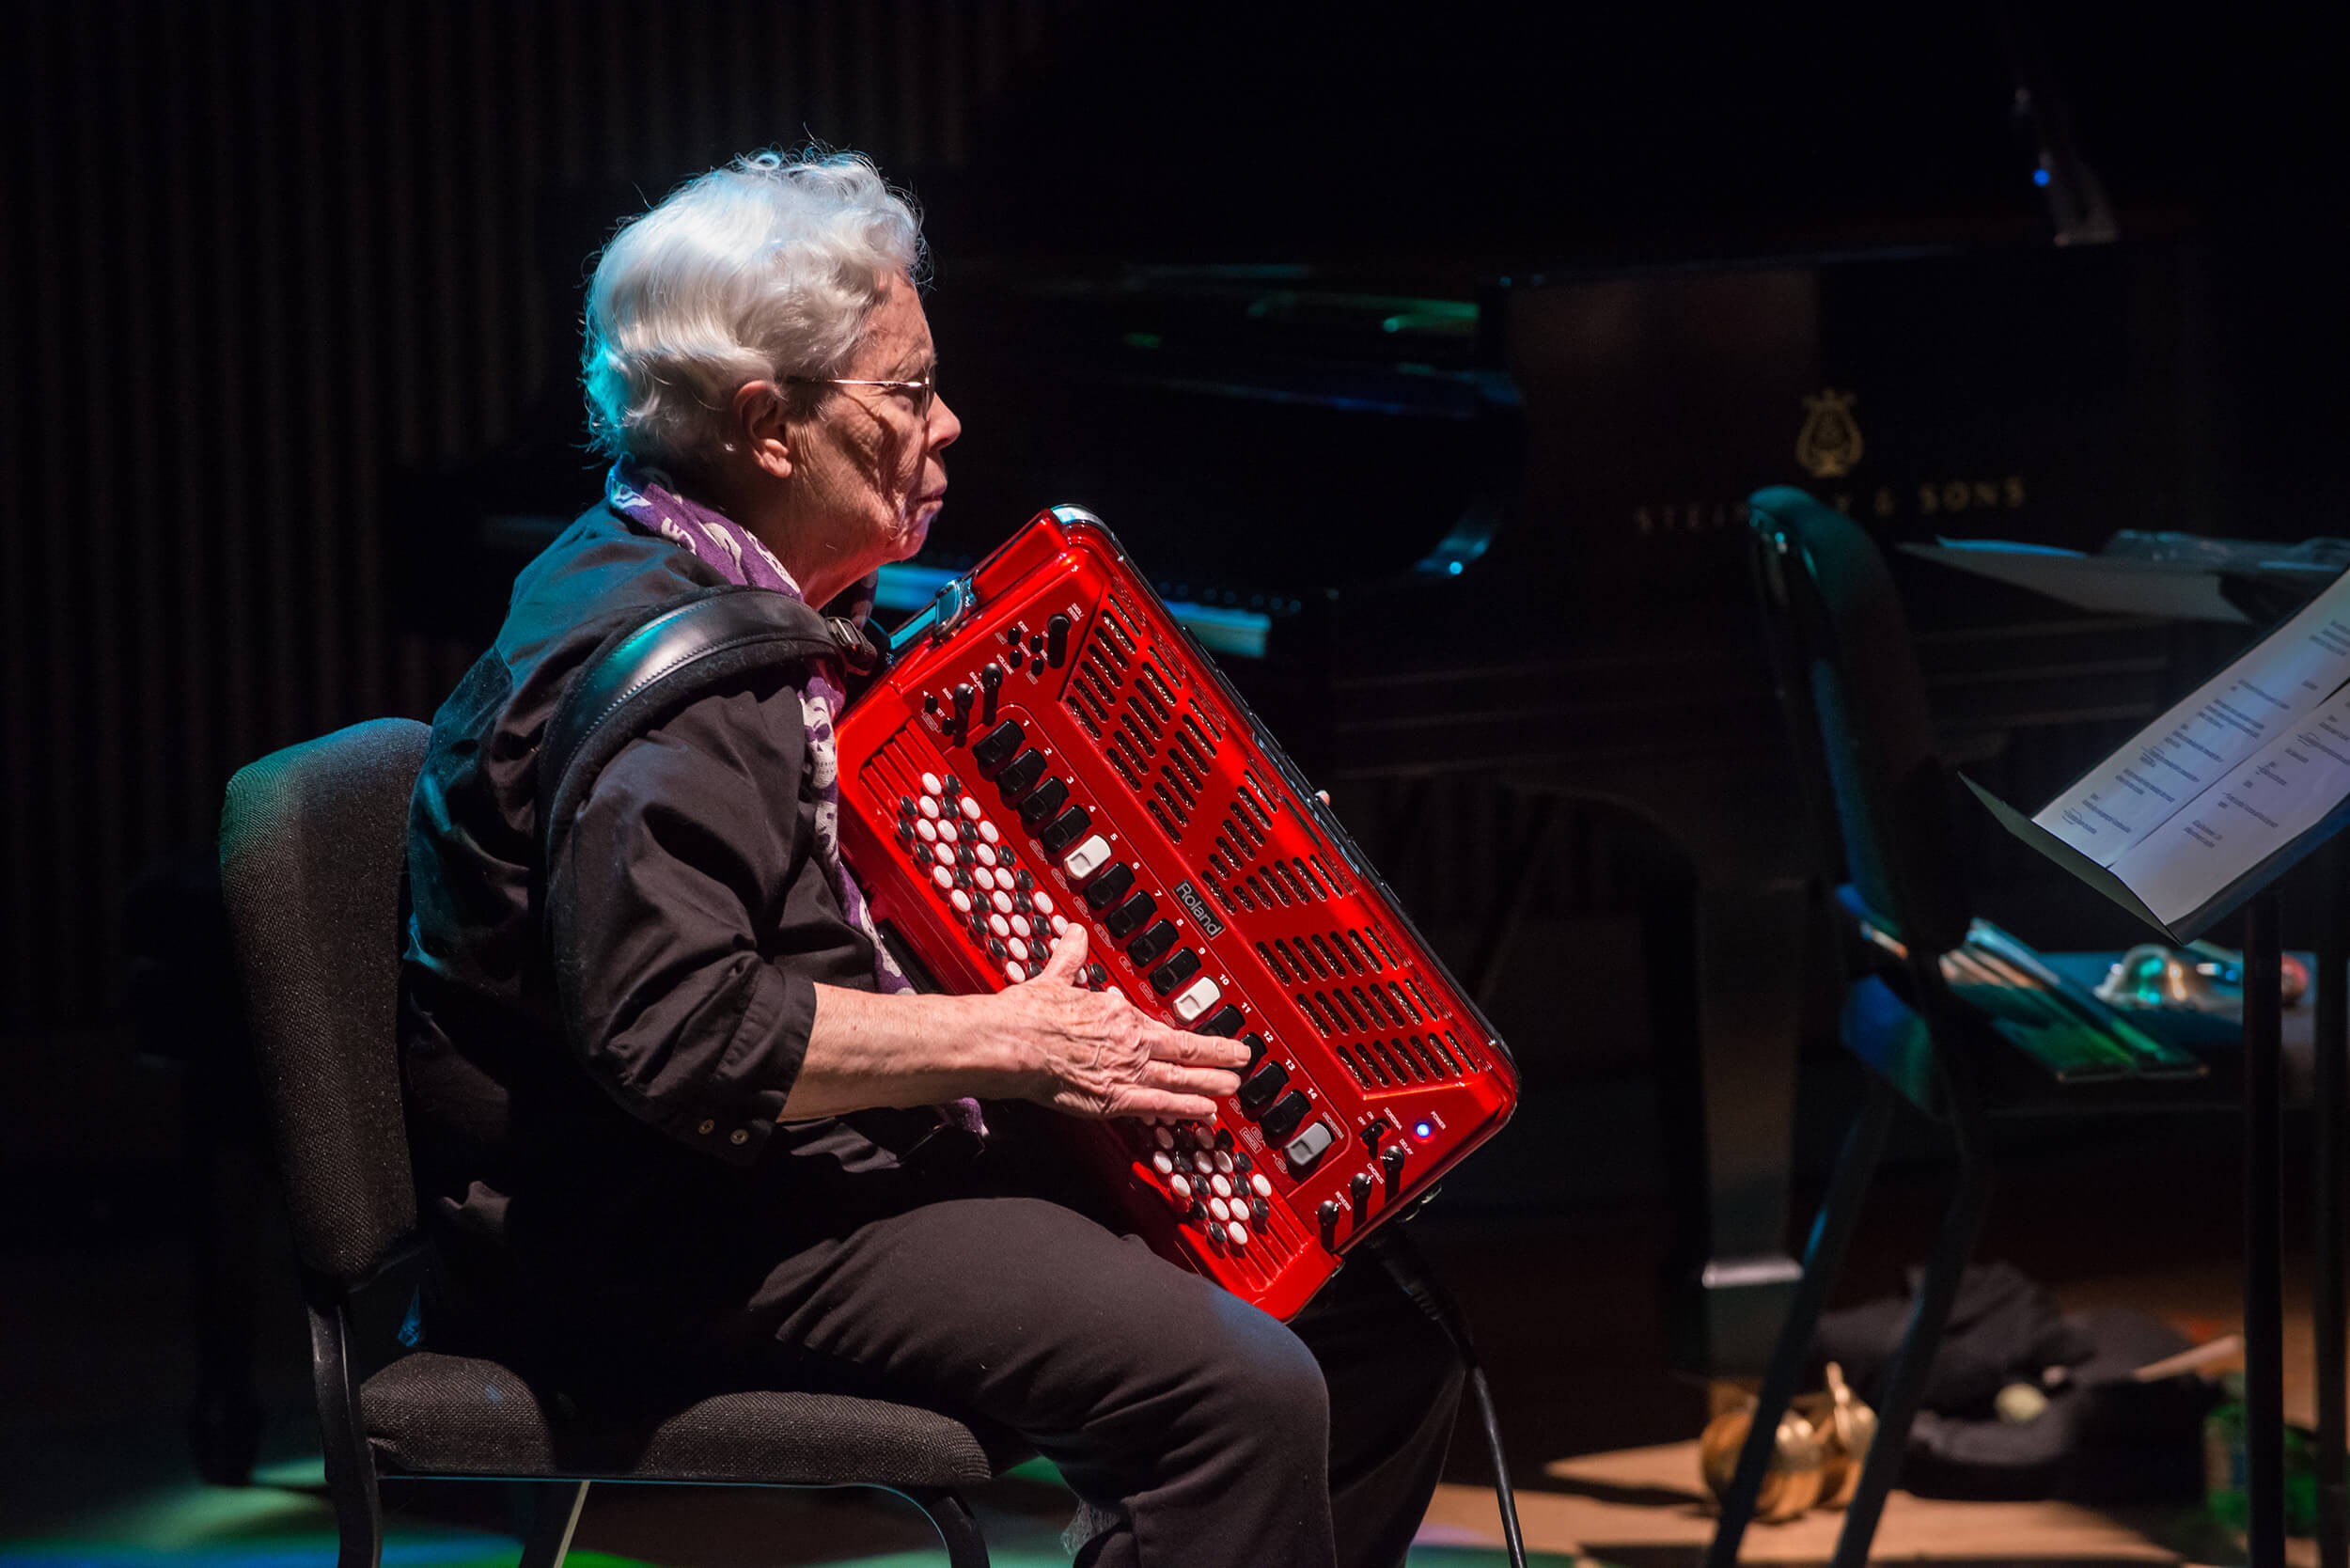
(1830, 443)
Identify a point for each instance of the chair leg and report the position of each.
(555, 1507)
(1906, 1384)
(1823, 1261)
(350, 1463)
(966, 1548)
(358, 1521)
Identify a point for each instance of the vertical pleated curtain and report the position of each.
(260, 258)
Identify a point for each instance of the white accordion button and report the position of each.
(970, 808)
(1163, 1163)
(1203, 1164)
(1202, 996)
(1220, 1184)
(1001, 900)
(1015, 971)
(1020, 925)
(1220, 1209)
(1261, 1184)
(927, 830)
(930, 810)
(931, 786)
(1000, 925)
(947, 834)
(1061, 927)
(987, 830)
(1238, 1232)
(961, 899)
(945, 878)
(1018, 949)
(1180, 1188)
(1162, 1138)
(1043, 901)
(1086, 858)
(986, 854)
(946, 854)
(1223, 1162)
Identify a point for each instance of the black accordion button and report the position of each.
(1019, 776)
(1258, 1092)
(1226, 1020)
(1066, 830)
(1153, 944)
(1287, 1112)
(1113, 883)
(1038, 809)
(1168, 976)
(1256, 1047)
(1127, 918)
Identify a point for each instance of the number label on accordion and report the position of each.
(1057, 750)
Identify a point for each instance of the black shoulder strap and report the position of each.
(644, 675)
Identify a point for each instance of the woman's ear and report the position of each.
(766, 436)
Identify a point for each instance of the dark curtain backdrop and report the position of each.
(259, 259)
(268, 265)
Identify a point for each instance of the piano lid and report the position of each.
(1259, 435)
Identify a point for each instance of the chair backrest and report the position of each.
(1849, 674)
(313, 842)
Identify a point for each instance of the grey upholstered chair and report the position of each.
(312, 853)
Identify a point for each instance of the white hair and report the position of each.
(763, 268)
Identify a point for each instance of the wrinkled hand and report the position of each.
(1095, 1054)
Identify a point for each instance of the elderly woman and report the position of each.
(715, 1140)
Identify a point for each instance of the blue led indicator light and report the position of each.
(1421, 1131)
(2040, 176)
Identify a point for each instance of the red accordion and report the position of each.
(1050, 746)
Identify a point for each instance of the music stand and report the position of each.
(2255, 893)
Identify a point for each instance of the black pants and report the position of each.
(1217, 1435)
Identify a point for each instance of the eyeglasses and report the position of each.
(923, 392)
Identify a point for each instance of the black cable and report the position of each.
(1410, 1273)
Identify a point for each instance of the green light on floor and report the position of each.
(1055, 1559)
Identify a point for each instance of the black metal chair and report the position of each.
(312, 854)
(1855, 701)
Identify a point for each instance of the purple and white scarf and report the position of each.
(648, 501)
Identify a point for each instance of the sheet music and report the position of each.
(2281, 792)
(2271, 692)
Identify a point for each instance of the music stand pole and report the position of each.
(2332, 1089)
(2264, 1237)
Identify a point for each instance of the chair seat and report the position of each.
(430, 1414)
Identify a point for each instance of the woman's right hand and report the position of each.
(1095, 1054)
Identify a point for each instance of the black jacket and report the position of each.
(637, 1170)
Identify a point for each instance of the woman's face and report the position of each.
(868, 475)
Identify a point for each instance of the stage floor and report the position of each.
(97, 1375)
